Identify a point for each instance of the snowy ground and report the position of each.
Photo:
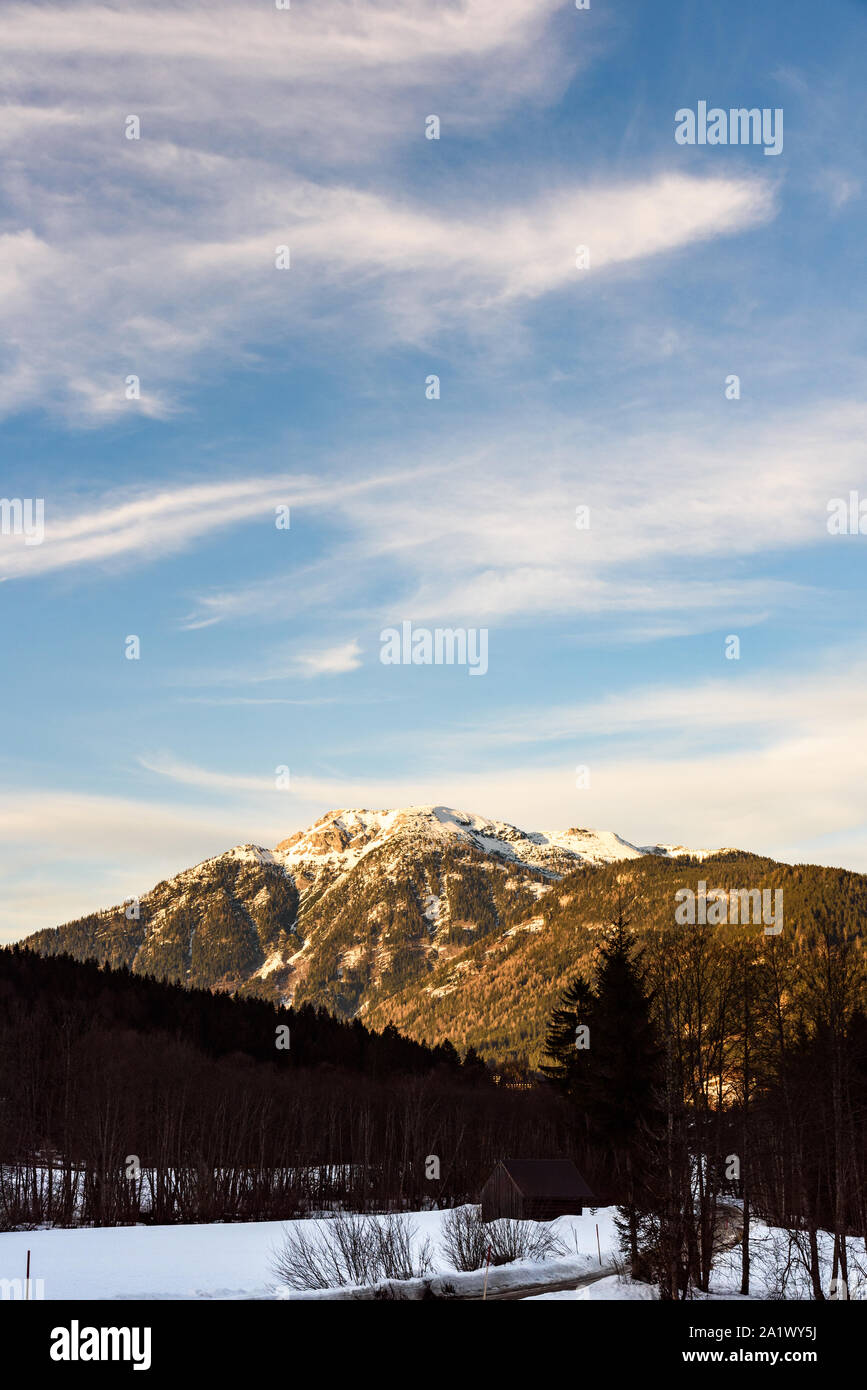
(611, 1287)
(234, 1262)
(777, 1271)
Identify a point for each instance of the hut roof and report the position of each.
(556, 1178)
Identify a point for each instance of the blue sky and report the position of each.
(559, 387)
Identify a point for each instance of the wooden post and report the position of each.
(27, 1280)
(598, 1246)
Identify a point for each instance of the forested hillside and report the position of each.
(448, 930)
(499, 994)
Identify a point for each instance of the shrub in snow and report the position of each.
(350, 1249)
(466, 1239)
(394, 1249)
(521, 1240)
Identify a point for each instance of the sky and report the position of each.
(243, 310)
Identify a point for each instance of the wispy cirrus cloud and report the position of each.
(150, 301)
(490, 546)
(146, 524)
(171, 256)
(748, 706)
(192, 776)
(312, 46)
(784, 779)
(787, 782)
(787, 779)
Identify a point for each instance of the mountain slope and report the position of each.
(498, 995)
(359, 910)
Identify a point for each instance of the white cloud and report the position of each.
(798, 701)
(170, 257)
(310, 44)
(147, 524)
(496, 540)
(331, 661)
(192, 776)
(421, 270)
(768, 763)
(488, 547)
(774, 765)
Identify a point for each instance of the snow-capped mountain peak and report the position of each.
(323, 853)
(357, 908)
(342, 837)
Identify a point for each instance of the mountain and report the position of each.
(445, 923)
(341, 838)
(342, 911)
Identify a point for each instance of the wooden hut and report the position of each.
(537, 1189)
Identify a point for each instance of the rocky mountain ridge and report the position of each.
(349, 912)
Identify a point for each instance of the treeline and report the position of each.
(127, 1099)
(718, 1065)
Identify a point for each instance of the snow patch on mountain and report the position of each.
(432, 906)
(677, 851)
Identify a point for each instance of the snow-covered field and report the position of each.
(235, 1262)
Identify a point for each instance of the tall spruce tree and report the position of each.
(606, 1062)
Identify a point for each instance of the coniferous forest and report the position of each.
(713, 1068)
(129, 1099)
